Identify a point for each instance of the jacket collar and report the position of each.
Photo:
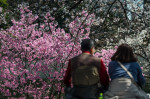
(86, 52)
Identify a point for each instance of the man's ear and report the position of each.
(92, 50)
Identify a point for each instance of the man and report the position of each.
(86, 72)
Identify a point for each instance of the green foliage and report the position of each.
(146, 87)
(3, 3)
(8, 20)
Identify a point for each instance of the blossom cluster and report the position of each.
(33, 57)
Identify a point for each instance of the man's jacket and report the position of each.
(86, 69)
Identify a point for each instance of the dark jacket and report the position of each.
(86, 72)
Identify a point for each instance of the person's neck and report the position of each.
(87, 52)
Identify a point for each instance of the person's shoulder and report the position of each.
(133, 63)
(136, 64)
(95, 58)
(112, 62)
(75, 57)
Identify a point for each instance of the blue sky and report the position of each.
(138, 4)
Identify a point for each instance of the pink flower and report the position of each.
(38, 57)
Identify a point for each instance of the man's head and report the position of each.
(87, 45)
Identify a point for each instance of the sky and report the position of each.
(133, 6)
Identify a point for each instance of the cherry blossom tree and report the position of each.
(33, 60)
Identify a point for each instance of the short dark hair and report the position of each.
(124, 54)
(87, 44)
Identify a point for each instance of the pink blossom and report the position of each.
(35, 57)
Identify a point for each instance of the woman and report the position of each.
(121, 86)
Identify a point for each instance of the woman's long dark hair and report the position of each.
(124, 54)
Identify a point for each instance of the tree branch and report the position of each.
(75, 5)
